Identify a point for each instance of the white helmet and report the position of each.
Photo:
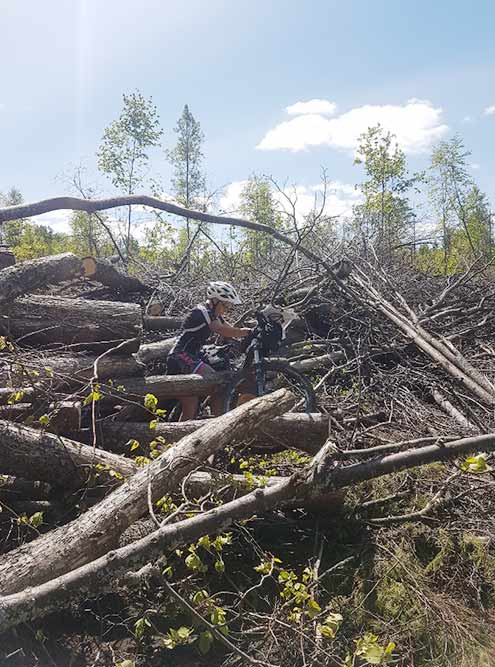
(223, 292)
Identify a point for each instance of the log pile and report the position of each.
(402, 380)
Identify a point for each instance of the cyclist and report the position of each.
(202, 321)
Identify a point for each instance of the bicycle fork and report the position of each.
(259, 371)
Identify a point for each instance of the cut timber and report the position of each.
(306, 432)
(107, 274)
(36, 273)
(313, 363)
(67, 368)
(37, 455)
(98, 530)
(162, 323)
(50, 319)
(155, 351)
(154, 309)
(167, 386)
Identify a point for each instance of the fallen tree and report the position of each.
(102, 573)
(302, 431)
(97, 531)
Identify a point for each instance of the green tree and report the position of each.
(10, 232)
(88, 236)
(449, 183)
(258, 204)
(383, 217)
(123, 153)
(188, 181)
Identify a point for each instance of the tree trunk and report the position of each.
(166, 386)
(36, 273)
(98, 530)
(105, 273)
(155, 351)
(306, 432)
(50, 319)
(162, 323)
(69, 369)
(38, 455)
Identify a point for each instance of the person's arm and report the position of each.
(227, 331)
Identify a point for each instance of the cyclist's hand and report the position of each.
(245, 332)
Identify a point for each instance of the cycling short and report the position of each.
(183, 363)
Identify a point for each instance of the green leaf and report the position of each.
(150, 402)
(183, 632)
(140, 626)
(153, 424)
(44, 420)
(125, 663)
(36, 519)
(133, 444)
(220, 566)
(205, 642)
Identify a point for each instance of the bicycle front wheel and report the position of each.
(278, 375)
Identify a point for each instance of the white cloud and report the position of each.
(416, 124)
(312, 106)
(474, 165)
(467, 119)
(340, 198)
(231, 198)
(489, 110)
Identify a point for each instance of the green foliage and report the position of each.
(258, 204)
(369, 650)
(188, 182)
(178, 637)
(385, 214)
(140, 627)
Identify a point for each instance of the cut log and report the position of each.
(155, 351)
(36, 273)
(98, 530)
(166, 386)
(38, 455)
(306, 432)
(68, 369)
(162, 323)
(46, 319)
(107, 274)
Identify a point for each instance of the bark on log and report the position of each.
(38, 455)
(313, 363)
(98, 530)
(69, 369)
(36, 273)
(166, 386)
(162, 323)
(306, 432)
(100, 574)
(107, 274)
(45, 319)
(155, 351)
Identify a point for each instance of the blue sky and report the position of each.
(239, 66)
